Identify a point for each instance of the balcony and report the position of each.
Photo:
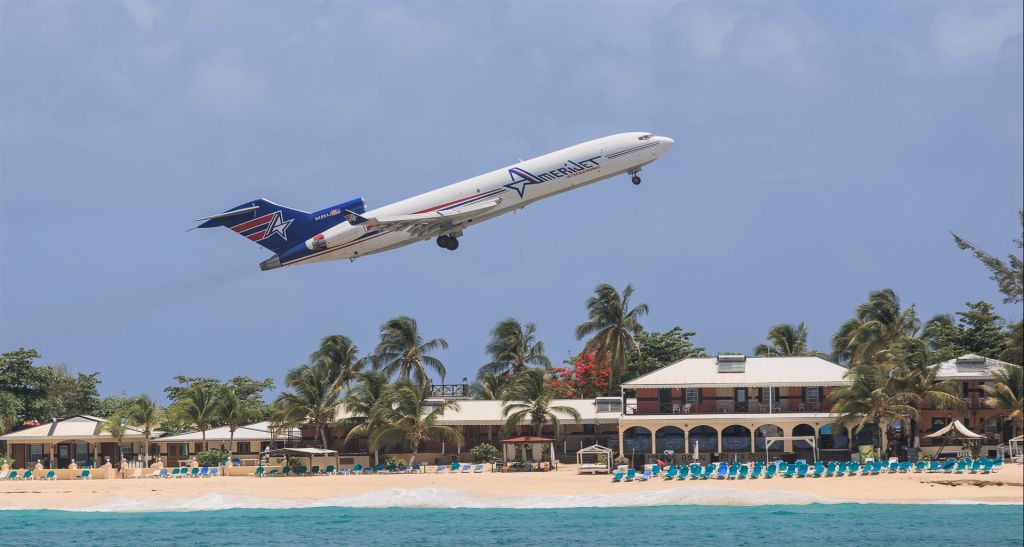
(725, 407)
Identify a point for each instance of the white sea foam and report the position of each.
(453, 498)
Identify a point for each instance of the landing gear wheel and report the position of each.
(636, 179)
(447, 242)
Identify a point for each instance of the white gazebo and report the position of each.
(588, 460)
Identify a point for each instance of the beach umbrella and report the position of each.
(696, 450)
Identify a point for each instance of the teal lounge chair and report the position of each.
(617, 477)
(948, 466)
(830, 469)
(851, 470)
(801, 471)
(379, 468)
(630, 475)
(819, 470)
(670, 474)
(286, 470)
(769, 472)
(51, 475)
(315, 470)
(682, 472)
(655, 470)
(961, 466)
(986, 467)
(27, 476)
(259, 471)
(904, 467)
(744, 470)
(708, 471)
(733, 470)
(790, 470)
(695, 471)
(274, 472)
(85, 475)
(358, 468)
(756, 473)
(455, 467)
(330, 470)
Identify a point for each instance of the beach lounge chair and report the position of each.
(455, 467)
(948, 466)
(51, 475)
(708, 470)
(630, 475)
(258, 472)
(137, 474)
(695, 471)
(274, 472)
(285, 471)
(744, 470)
(357, 468)
(682, 472)
(162, 473)
(920, 466)
(379, 468)
(830, 469)
(801, 470)
(330, 470)
(819, 470)
(655, 470)
(203, 472)
(733, 470)
(440, 469)
(646, 475)
(671, 473)
(415, 468)
(315, 470)
(790, 470)
(214, 471)
(986, 466)
(617, 477)
(769, 472)
(755, 473)
(85, 475)
(961, 466)
(26, 476)
(466, 468)
(174, 472)
(479, 468)
(852, 468)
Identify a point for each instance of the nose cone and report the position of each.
(667, 142)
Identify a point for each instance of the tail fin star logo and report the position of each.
(525, 178)
(279, 226)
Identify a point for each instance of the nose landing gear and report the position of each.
(635, 179)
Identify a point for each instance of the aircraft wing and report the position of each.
(427, 223)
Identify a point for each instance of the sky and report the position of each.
(823, 150)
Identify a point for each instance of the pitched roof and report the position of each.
(259, 431)
(756, 371)
(489, 412)
(80, 428)
(970, 367)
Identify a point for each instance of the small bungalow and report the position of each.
(79, 439)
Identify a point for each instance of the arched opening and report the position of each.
(767, 430)
(668, 438)
(736, 438)
(803, 430)
(867, 435)
(831, 437)
(636, 440)
(704, 438)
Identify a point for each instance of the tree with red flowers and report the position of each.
(584, 378)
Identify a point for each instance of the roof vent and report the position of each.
(731, 363)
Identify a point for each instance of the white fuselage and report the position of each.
(515, 186)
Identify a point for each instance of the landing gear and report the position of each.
(636, 179)
(447, 242)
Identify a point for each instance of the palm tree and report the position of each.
(115, 425)
(914, 381)
(236, 412)
(877, 325)
(198, 405)
(341, 356)
(784, 340)
(1007, 392)
(143, 412)
(489, 386)
(363, 404)
(611, 328)
(529, 398)
(870, 400)
(409, 417)
(513, 347)
(402, 351)
(315, 398)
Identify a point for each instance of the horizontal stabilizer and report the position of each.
(230, 213)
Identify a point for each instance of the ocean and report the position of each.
(810, 524)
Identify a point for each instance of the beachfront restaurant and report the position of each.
(730, 406)
(79, 439)
(970, 372)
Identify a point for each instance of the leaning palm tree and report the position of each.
(529, 398)
(236, 412)
(784, 340)
(199, 406)
(877, 325)
(146, 414)
(364, 403)
(1007, 392)
(489, 386)
(409, 417)
(314, 399)
(870, 399)
(513, 347)
(341, 356)
(403, 352)
(611, 328)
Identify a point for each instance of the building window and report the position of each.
(35, 452)
(691, 395)
(812, 395)
(243, 448)
(199, 447)
(81, 451)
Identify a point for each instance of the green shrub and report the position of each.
(396, 462)
(484, 452)
(212, 457)
(6, 459)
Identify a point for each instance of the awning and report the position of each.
(955, 428)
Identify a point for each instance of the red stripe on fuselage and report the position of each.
(443, 205)
(252, 223)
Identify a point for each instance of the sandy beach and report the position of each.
(561, 488)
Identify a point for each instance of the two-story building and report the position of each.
(728, 405)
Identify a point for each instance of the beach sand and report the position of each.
(560, 488)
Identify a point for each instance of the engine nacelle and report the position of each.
(334, 237)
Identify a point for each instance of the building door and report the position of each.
(740, 399)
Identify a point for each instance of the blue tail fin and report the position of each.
(279, 228)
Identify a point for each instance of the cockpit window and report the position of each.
(645, 137)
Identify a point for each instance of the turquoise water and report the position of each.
(815, 524)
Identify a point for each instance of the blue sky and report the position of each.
(823, 150)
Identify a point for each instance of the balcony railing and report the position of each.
(727, 407)
(450, 391)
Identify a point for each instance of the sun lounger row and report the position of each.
(51, 475)
(801, 470)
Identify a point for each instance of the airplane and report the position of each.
(348, 230)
